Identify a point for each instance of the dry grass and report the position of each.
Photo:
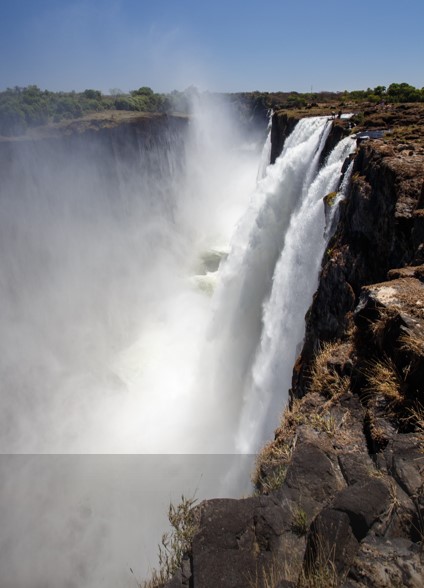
(324, 379)
(266, 576)
(416, 416)
(291, 418)
(271, 462)
(269, 481)
(412, 343)
(379, 327)
(394, 501)
(378, 434)
(300, 524)
(271, 459)
(323, 575)
(273, 453)
(418, 524)
(384, 379)
(324, 423)
(321, 570)
(175, 544)
(320, 573)
(281, 448)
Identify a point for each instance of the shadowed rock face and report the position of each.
(341, 487)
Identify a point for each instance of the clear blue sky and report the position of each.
(230, 45)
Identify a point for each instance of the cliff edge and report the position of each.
(340, 490)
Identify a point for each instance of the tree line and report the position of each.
(395, 93)
(23, 108)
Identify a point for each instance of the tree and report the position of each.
(143, 91)
(92, 94)
(379, 90)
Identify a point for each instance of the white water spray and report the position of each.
(294, 282)
(102, 245)
(247, 275)
(111, 342)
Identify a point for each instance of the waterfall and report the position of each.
(153, 299)
(266, 152)
(294, 282)
(247, 275)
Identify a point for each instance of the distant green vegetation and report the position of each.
(394, 93)
(23, 108)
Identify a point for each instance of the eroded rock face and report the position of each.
(236, 539)
(380, 229)
(281, 128)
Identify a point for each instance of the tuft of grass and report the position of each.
(418, 524)
(394, 503)
(412, 343)
(324, 379)
(175, 544)
(323, 575)
(416, 416)
(321, 571)
(300, 523)
(377, 433)
(271, 480)
(272, 461)
(384, 379)
(324, 423)
(267, 576)
(273, 453)
(292, 417)
(379, 326)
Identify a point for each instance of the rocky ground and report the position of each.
(340, 490)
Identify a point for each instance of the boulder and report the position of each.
(364, 504)
(331, 542)
(383, 563)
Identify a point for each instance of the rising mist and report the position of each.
(109, 245)
(154, 282)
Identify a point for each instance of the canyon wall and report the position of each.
(339, 497)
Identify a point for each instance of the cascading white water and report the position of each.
(294, 282)
(111, 342)
(103, 239)
(247, 275)
(266, 152)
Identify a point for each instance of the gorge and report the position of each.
(154, 293)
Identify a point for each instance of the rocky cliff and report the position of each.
(98, 137)
(340, 490)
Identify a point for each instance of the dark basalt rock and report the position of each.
(364, 504)
(405, 463)
(339, 130)
(237, 540)
(356, 467)
(282, 126)
(407, 272)
(312, 478)
(331, 539)
(382, 563)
